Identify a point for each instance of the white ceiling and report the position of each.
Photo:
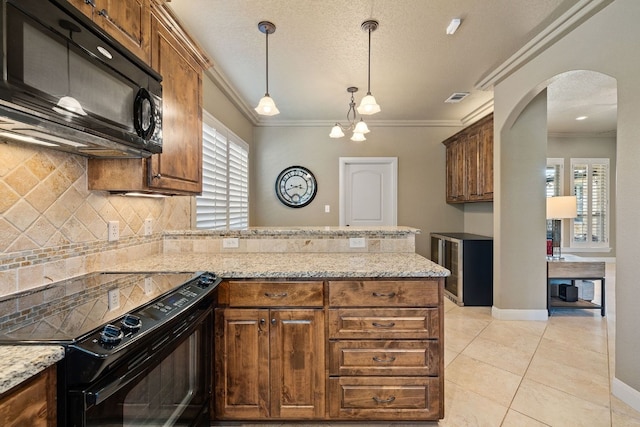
(319, 49)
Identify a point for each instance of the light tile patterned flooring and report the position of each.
(528, 374)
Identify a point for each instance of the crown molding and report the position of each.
(605, 134)
(567, 22)
(219, 79)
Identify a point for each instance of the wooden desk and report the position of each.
(575, 270)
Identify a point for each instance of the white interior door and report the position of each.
(368, 191)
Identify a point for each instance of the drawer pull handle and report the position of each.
(389, 400)
(389, 360)
(382, 294)
(276, 295)
(383, 325)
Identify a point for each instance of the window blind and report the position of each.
(224, 203)
(590, 183)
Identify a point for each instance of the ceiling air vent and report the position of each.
(456, 97)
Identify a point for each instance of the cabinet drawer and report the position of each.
(386, 398)
(394, 293)
(397, 323)
(384, 358)
(275, 294)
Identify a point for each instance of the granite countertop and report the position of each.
(292, 265)
(20, 362)
(302, 231)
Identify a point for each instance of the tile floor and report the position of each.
(528, 374)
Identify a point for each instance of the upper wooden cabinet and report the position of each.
(178, 170)
(127, 21)
(469, 167)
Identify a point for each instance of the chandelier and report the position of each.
(359, 128)
(368, 104)
(266, 106)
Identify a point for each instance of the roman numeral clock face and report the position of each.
(296, 186)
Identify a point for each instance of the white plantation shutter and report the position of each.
(590, 183)
(224, 203)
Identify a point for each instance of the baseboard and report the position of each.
(627, 394)
(518, 314)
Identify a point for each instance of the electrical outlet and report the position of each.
(357, 242)
(148, 286)
(113, 299)
(148, 226)
(230, 242)
(113, 231)
(327, 208)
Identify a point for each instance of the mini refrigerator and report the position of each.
(469, 258)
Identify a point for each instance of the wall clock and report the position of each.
(296, 186)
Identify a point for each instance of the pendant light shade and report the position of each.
(336, 132)
(266, 106)
(368, 105)
(361, 127)
(358, 137)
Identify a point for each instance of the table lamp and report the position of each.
(559, 208)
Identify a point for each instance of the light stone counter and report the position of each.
(292, 265)
(20, 362)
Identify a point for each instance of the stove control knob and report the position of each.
(206, 280)
(131, 323)
(111, 335)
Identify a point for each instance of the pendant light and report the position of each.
(359, 128)
(368, 104)
(266, 106)
(67, 104)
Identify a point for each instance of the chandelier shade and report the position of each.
(358, 128)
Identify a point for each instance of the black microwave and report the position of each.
(68, 85)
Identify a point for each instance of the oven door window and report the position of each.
(171, 393)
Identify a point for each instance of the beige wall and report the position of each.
(600, 44)
(421, 175)
(568, 147)
(220, 107)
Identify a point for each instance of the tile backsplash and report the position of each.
(52, 227)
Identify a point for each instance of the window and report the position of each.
(555, 174)
(224, 203)
(590, 184)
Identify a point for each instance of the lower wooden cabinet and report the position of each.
(269, 364)
(333, 350)
(32, 403)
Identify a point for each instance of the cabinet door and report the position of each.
(242, 363)
(32, 403)
(179, 167)
(455, 171)
(471, 163)
(127, 21)
(485, 161)
(297, 364)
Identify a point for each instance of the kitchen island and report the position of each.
(335, 289)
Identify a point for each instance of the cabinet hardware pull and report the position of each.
(381, 294)
(262, 321)
(276, 295)
(156, 176)
(273, 321)
(389, 360)
(92, 3)
(104, 13)
(384, 325)
(389, 400)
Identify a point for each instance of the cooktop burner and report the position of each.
(69, 310)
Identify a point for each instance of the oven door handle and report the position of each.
(97, 396)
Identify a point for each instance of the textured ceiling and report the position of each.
(319, 49)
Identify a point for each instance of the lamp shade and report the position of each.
(560, 207)
(361, 127)
(266, 107)
(336, 132)
(358, 137)
(368, 105)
